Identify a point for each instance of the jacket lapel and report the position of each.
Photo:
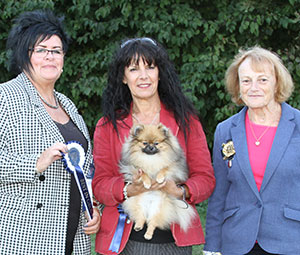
(72, 111)
(124, 128)
(47, 121)
(45, 118)
(238, 133)
(168, 120)
(281, 141)
(40, 110)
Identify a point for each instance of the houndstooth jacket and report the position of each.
(34, 210)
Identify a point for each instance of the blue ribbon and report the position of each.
(116, 241)
(74, 157)
(87, 202)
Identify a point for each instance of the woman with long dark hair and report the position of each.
(143, 88)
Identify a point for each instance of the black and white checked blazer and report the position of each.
(33, 211)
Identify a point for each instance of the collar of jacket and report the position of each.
(166, 118)
(45, 118)
(281, 140)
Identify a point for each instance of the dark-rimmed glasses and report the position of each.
(43, 52)
(142, 39)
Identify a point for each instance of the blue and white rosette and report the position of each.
(74, 161)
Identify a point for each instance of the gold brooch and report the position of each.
(228, 152)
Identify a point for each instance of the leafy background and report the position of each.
(201, 36)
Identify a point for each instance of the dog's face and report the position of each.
(150, 139)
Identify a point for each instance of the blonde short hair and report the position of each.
(259, 57)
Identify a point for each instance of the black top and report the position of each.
(159, 236)
(70, 132)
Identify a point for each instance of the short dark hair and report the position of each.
(117, 99)
(29, 29)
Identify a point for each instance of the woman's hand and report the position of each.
(137, 186)
(169, 186)
(172, 189)
(50, 155)
(93, 226)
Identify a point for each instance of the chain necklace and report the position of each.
(257, 142)
(139, 121)
(50, 105)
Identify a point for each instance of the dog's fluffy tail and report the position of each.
(185, 213)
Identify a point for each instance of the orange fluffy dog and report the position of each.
(156, 151)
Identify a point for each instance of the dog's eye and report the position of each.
(145, 143)
(156, 143)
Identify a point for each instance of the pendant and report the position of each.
(257, 143)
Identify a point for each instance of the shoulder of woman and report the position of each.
(290, 113)
(287, 107)
(104, 123)
(62, 96)
(66, 102)
(11, 84)
(236, 118)
(14, 90)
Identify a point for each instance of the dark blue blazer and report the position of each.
(238, 214)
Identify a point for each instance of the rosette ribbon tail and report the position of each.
(117, 238)
(74, 162)
(83, 188)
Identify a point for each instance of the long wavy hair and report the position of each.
(117, 99)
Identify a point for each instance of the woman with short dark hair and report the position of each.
(41, 207)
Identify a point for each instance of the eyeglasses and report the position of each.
(142, 39)
(43, 52)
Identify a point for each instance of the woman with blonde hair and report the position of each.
(255, 207)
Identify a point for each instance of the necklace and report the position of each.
(257, 143)
(139, 121)
(50, 105)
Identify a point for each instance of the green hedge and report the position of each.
(201, 36)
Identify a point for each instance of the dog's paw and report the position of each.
(160, 178)
(147, 185)
(148, 236)
(138, 227)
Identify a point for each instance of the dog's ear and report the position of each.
(163, 129)
(136, 130)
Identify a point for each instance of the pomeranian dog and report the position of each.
(156, 151)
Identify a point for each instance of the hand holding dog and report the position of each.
(172, 189)
(167, 186)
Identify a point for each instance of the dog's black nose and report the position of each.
(150, 149)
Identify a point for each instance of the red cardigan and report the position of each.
(108, 183)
